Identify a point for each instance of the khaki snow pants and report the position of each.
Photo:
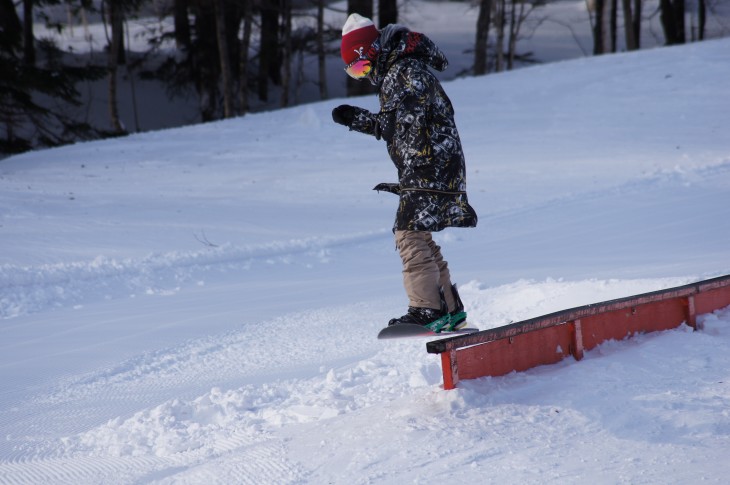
(424, 270)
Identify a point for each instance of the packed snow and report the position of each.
(200, 305)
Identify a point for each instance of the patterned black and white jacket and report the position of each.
(416, 120)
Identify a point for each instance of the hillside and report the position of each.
(200, 304)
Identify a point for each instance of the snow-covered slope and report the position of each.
(200, 305)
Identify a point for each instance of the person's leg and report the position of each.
(421, 271)
(444, 275)
(451, 295)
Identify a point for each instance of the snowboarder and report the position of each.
(416, 120)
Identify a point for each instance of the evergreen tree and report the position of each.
(27, 119)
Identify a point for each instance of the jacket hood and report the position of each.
(398, 42)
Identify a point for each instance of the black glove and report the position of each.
(386, 187)
(344, 114)
(385, 125)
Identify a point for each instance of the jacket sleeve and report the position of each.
(364, 122)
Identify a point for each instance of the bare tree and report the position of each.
(638, 4)
(204, 61)
(182, 25)
(269, 49)
(672, 19)
(387, 12)
(224, 58)
(321, 53)
(364, 8)
(28, 41)
(499, 25)
(632, 42)
(243, 67)
(601, 27)
(286, 12)
(520, 10)
(116, 49)
(514, 23)
(482, 37)
(702, 14)
(614, 25)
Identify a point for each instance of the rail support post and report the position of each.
(576, 339)
(450, 369)
(692, 313)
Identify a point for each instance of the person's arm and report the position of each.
(356, 119)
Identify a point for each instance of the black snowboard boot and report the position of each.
(435, 320)
(458, 316)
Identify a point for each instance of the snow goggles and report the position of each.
(359, 68)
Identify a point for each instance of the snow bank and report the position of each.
(200, 305)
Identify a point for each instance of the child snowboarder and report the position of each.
(416, 120)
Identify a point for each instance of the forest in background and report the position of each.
(237, 56)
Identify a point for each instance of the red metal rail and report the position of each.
(551, 338)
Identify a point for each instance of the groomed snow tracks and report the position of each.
(550, 338)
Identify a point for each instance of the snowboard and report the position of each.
(406, 330)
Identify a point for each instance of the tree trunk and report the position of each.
(286, 51)
(116, 20)
(12, 30)
(519, 12)
(321, 53)
(499, 21)
(512, 40)
(637, 22)
(244, 58)
(10, 26)
(672, 18)
(364, 8)
(268, 51)
(601, 27)
(614, 25)
(631, 44)
(205, 64)
(182, 25)
(702, 18)
(679, 11)
(387, 12)
(132, 88)
(482, 40)
(224, 58)
(28, 41)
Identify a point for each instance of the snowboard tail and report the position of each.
(406, 330)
